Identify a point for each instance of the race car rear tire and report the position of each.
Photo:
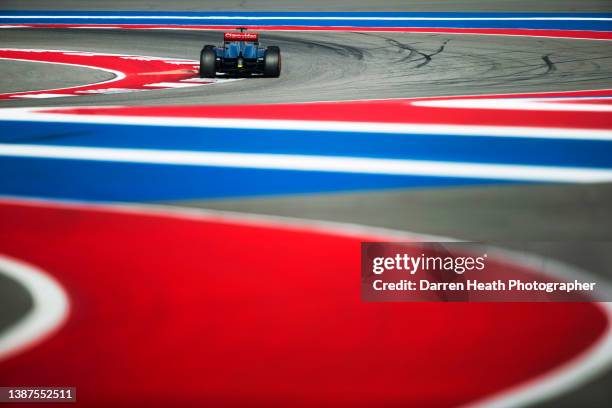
(272, 62)
(208, 59)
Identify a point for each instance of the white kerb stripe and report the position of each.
(50, 307)
(360, 165)
(522, 104)
(41, 95)
(173, 84)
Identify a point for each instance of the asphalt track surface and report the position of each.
(348, 66)
(343, 66)
(13, 298)
(26, 76)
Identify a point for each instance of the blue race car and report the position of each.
(240, 55)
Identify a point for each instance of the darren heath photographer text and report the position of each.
(458, 265)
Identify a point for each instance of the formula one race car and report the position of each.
(239, 55)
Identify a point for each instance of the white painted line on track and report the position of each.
(42, 96)
(106, 91)
(523, 104)
(337, 164)
(49, 311)
(174, 84)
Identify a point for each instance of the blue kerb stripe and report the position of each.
(473, 149)
(115, 181)
(571, 21)
(111, 181)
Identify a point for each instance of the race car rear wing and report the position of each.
(240, 37)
